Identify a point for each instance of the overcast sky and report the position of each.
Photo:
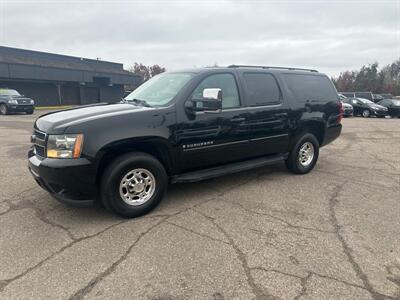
(330, 36)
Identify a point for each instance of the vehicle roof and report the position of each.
(252, 69)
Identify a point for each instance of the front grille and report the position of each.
(39, 143)
(24, 101)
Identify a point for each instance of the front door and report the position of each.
(209, 139)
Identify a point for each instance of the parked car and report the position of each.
(347, 109)
(11, 101)
(393, 106)
(364, 95)
(184, 127)
(367, 108)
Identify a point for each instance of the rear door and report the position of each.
(267, 120)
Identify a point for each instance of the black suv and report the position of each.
(184, 127)
(12, 101)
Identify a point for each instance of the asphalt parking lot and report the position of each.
(262, 234)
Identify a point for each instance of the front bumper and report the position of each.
(380, 113)
(71, 181)
(347, 112)
(20, 107)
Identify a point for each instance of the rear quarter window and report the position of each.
(305, 88)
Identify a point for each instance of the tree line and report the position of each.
(371, 78)
(146, 72)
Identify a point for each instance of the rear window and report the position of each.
(310, 87)
(261, 88)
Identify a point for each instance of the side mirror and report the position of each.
(211, 102)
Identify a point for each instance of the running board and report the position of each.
(228, 169)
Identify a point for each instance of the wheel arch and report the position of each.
(317, 128)
(154, 146)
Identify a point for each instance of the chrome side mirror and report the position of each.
(211, 102)
(212, 94)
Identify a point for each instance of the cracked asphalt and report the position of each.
(262, 234)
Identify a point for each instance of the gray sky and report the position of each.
(330, 36)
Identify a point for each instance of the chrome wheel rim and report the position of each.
(137, 187)
(306, 154)
(365, 113)
(3, 109)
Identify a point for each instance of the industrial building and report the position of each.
(53, 79)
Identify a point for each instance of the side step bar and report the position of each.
(228, 169)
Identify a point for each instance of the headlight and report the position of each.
(12, 101)
(32, 102)
(64, 146)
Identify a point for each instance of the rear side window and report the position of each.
(262, 89)
(310, 87)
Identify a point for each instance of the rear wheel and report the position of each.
(366, 113)
(3, 109)
(133, 184)
(304, 155)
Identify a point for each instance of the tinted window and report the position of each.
(262, 89)
(225, 82)
(365, 95)
(384, 102)
(310, 87)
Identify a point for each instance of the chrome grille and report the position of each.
(24, 101)
(39, 143)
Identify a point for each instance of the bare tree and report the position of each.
(146, 72)
(371, 78)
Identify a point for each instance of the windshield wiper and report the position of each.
(138, 101)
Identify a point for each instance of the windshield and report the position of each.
(160, 89)
(7, 92)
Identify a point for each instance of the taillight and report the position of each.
(341, 111)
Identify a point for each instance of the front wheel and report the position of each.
(366, 113)
(304, 155)
(3, 109)
(133, 184)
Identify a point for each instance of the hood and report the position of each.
(57, 122)
(377, 106)
(15, 97)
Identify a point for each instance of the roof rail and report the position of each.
(271, 67)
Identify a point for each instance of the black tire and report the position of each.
(3, 109)
(30, 112)
(366, 113)
(293, 163)
(114, 174)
